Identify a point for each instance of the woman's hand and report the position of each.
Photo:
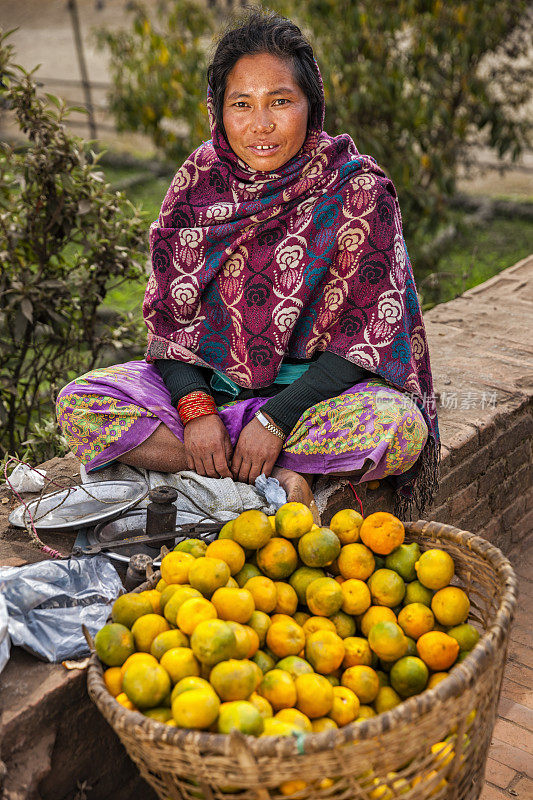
(255, 452)
(208, 446)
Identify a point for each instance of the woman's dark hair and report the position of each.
(267, 32)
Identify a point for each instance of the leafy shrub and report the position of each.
(65, 240)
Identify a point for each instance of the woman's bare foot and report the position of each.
(298, 489)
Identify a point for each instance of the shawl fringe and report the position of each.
(415, 496)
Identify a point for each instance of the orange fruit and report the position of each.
(387, 640)
(403, 560)
(466, 635)
(416, 619)
(180, 662)
(301, 616)
(193, 611)
(285, 638)
(242, 639)
(233, 679)
(386, 587)
(416, 593)
(450, 606)
(295, 666)
(314, 695)
(176, 600)
(386, 699)
(324, 597)
(356, 597)
(322, 724)
(125, 701)
(325, 651)
(366, 712)
(154, 598)
(363, 681)
(438, 650)
(208, 574)
(409, 676)
(346, 524)
(197, 709)
(286, 598)
(113, 680)
(294, 717)
(356, 561)
(260, 622)
(289, 788)
(382, 532)
(240, 716)
(276, 727)
(166, 640)
(175, 567)
(235, 604)
(146, 685)
(264, 661)
(195, 547)
(318, 547)
(253, 639)
(263, 591)
(435, 679)
(188, 683)
(146, 628)
(161, 585)
(293, 520)
(229, 551)
(161, 714)
(435, 568)
(376, 614)
(247, 572)
(262, 705)
(278, 688)
(314, 624)
(344, 624)
(345, 706)
(252, 529)
(213, 641)
(136, 658)
(301, 578)
(114, 643)
(167, 593)
(356, 651)
(129, 607)
(226, 531)
(277, 559)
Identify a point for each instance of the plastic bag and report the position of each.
(4, 635)
(48, 602)
(25, 479)
(271, 490)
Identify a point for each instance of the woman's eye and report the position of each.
(282, 101)
(240, 104)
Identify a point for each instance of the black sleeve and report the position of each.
(327, 377)
(181, 378)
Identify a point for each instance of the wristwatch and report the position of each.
(269, 425)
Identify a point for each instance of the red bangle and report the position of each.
(196, 404)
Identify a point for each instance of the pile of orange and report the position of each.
(281, 627)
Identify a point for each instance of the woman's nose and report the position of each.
(262, 123)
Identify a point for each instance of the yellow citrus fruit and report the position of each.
(386, 699)
(161, 714)
(262, 705)
(229, 551)
(188, 683)
(146, 685)
(272, 520)
(356, 651)
(213, 641)
(285, 638)
(324, 597)
(137, 658)
(114, 643)
(125, 701)
(345, 706)
(416, 593)
(193, 611)
(208, 574)
(232, 584)
(263, 591)
(295, 666)
(415, 619)
(366, 712)
(382, 532)
(161, 585)
(314, 624)
(466, 635)
(363, 681)
(325, 651)
(356, 561)
(275, 727)
(387, 640)
(322, 724)
(146, 628)
(409, 676)
(403, 560)
(450, 606)
(277, 559)
(376, 614)
(356, 597)
(293, 520)
(278, 688)
(346, 524)
(247, 572)
(113, 680)
(301, 616)
(175, 567)
(260, 622)
(286, 598)
(344, 624)
(235, 604)
(289, 788)
(226, 532)
(294, 717)
(176, 600)
(318, 547)
(166, 641)
(242, 639)
(435, 679)
(154, 598)
(314, 695)
(167, 593)
(180, 662)
(240, 716)
(333, 678)
(264, 661)
(386, 588)
(253, 640)
(252, 529)
(435, 569)
(195, 547)
(234, 679)
(438, 650)
(197, 709)
(301, 578)
(129, 607)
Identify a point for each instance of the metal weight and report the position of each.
(161, 512)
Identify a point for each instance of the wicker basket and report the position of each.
(359, 758)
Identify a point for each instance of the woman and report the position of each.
(284, 330)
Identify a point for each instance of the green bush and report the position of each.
(65, 241)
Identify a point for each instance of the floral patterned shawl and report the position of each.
(249, 267)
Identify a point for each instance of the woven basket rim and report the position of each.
(462, 676)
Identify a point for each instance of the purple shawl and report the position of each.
(249, 267)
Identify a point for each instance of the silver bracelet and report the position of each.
(269, 426)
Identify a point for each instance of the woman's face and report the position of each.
(265, 112)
